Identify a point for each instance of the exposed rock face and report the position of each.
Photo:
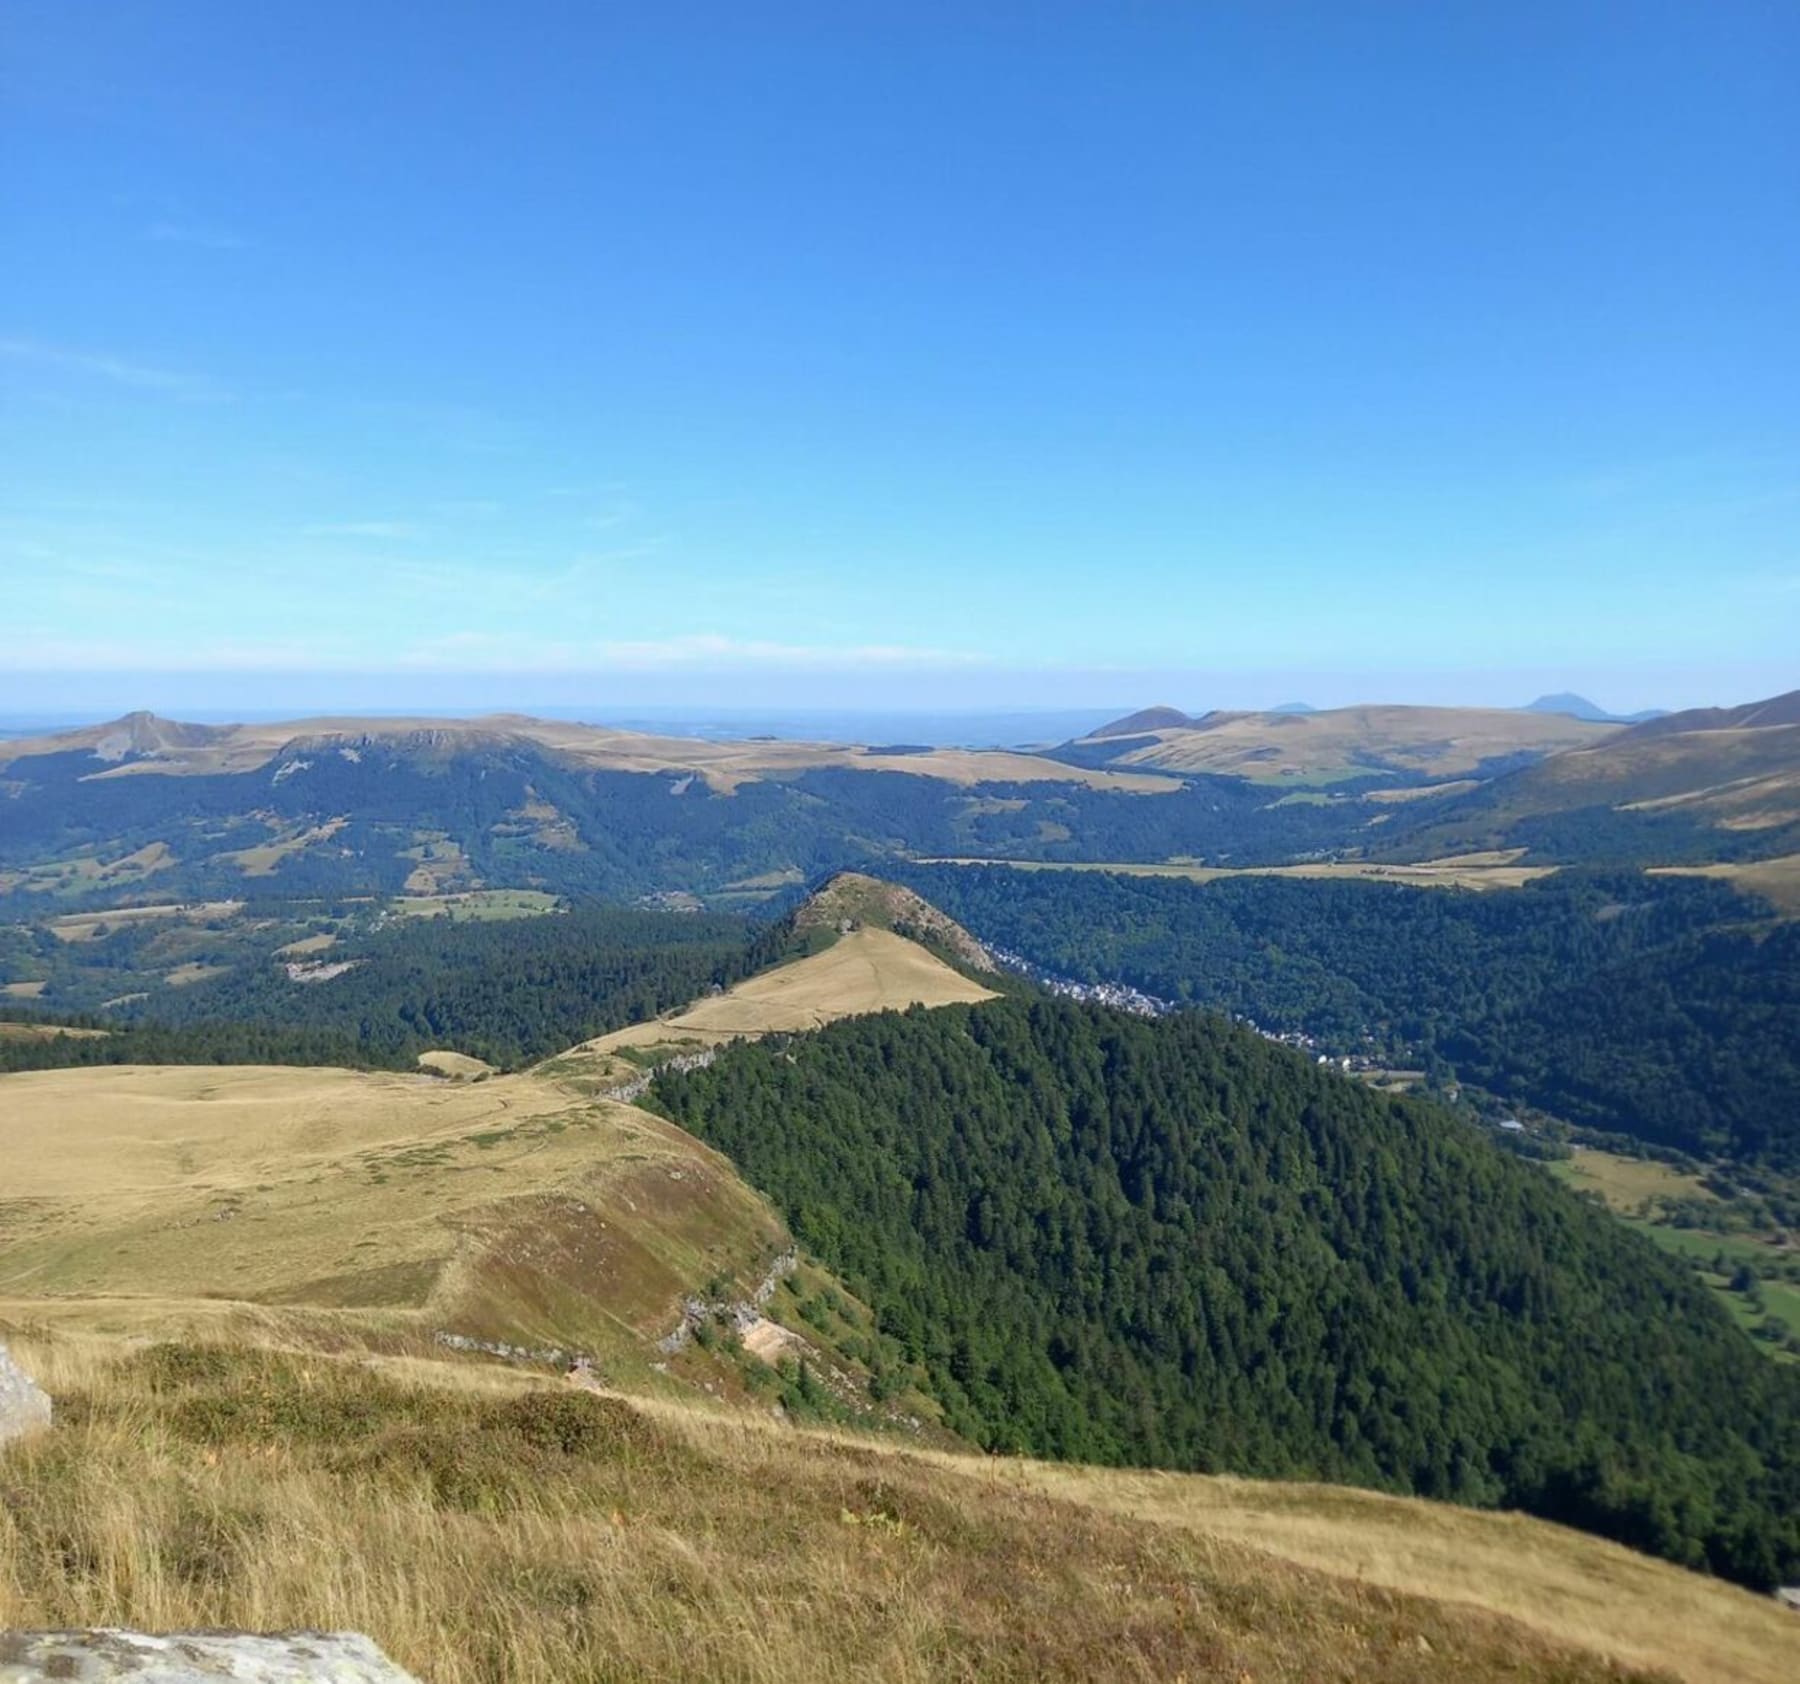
(24, 1407)
(130, 1657)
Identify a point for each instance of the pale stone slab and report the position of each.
(198, 1657)
(24, 1405)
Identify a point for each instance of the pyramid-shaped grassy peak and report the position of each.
(1143, 721)
(853, 900)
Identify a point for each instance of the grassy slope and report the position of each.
(1343, 743)
(1742, 784)
(1488, 870)
(184, 751)
(483, 1532)
(1776, 880)
(530, 1209)
(868, 970)
(391, 1205)
(1635, 1190)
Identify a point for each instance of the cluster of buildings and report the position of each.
(1121, 996)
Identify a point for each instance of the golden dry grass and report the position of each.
(484, 1533)
(182, 976)
(1421, 792)
(396, 1205)
(1457, 871)
(722, 765)
(24, 990)
(47, 1032)
(478, 905)
(460, 1065)
(1566, 1585)
(307, 945)
(868, 970)
(85, 926)
(265, 859)
(1776, 880)
(1352, 742)
(1632, 1186)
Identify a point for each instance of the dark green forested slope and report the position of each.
(1172, 1243)
(628, 833)
(203, 1043)
(508, 992)
(1664, 1008)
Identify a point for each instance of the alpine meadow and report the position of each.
(940, 844)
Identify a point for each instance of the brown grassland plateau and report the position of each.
(1354, 742)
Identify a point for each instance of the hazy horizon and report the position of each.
(1005, 709)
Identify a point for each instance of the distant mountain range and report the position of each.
(143, 807)
(1579, 707)
(1720, 779)
(1298, 743)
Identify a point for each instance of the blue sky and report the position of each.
(366, 354)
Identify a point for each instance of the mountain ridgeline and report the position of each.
(1171, 1243)
(143, 806)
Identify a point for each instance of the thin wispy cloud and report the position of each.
(119, 371)
(185, 234)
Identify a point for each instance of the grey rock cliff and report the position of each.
(201, 1657)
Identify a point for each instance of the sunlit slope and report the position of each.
(1568, 1586)
(1722, 778)
(142, 745)
(1325, 747)
(866, 970)
(533, 1209)
(510, 1209)
(483, 1526)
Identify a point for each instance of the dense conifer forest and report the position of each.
(1170, 1242)
(1664, 1008)
(508, 992)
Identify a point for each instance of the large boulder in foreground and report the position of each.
(24, 1404)
(198, 1657)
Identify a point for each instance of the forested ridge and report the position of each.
(1664, 1008)
(1171, 1243)
(508, 992)
(201, 1043)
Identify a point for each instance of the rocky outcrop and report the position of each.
(130, 1657)
(24, 1406)
(852, 899)
(628, 1093)
(742, 1313)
